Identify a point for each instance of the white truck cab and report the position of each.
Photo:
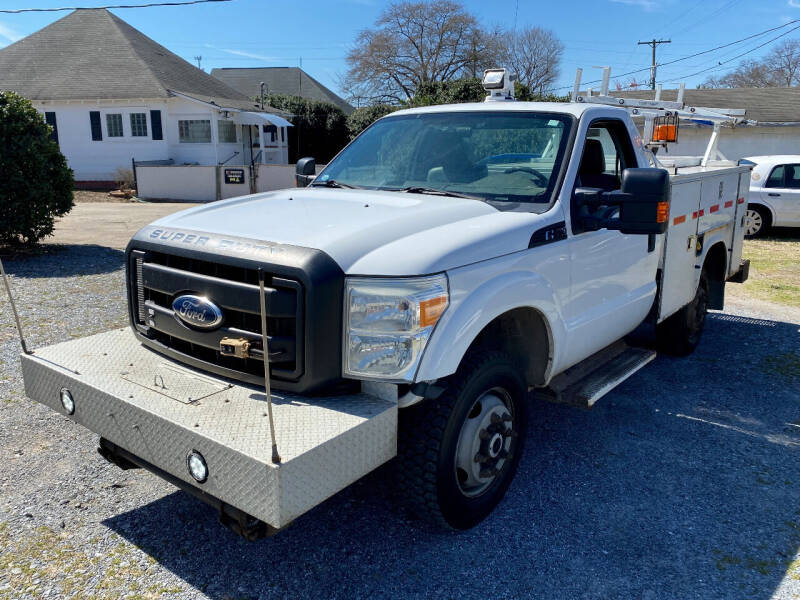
(447, 264)
(774, 193)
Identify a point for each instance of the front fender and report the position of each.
(474, 303)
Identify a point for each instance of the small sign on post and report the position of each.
(235, 176)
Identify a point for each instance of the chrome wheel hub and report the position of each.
(752, 222)
(485, 443)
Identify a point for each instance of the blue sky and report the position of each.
(250, 33)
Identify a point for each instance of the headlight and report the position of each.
(387, 324)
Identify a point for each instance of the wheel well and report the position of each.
(715, 267)
(523, 334)
(764, 210)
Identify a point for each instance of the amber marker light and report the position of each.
(430, 310)
(662, 212)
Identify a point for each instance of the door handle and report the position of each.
(774, 195)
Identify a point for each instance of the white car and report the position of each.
(774, 193)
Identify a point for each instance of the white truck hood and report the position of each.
(366, 232)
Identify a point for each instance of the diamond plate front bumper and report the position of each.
(325, 443)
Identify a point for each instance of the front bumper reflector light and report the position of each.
(197, 466)
(67, 401)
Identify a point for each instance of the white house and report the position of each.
(776, 112)
(113, 95)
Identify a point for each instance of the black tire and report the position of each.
(428, 440)
(680, 333)
(757, 222)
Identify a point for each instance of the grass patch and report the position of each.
(49, 559)
(774, 270)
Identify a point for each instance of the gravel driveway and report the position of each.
(682, 483)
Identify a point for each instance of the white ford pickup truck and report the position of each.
(448, 265)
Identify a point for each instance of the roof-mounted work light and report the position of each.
(499, 83)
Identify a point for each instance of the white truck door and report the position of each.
(613, 275)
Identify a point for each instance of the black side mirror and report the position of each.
(305, 171)
(645, 206)
(643, 203)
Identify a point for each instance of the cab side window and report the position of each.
(607, 152)
(792, 177)
(600, 164)
(775, 179)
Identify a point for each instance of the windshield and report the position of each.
(509, 159)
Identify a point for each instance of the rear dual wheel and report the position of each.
(459, 452)
(680, 333)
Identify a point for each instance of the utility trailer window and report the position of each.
(509, 159)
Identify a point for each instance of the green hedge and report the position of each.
(439, 92)
(36, 184)
(320, 128)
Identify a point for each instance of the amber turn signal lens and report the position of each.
(430, 310)
(665, 133)
(662, 212)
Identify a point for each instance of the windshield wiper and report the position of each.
(417, 189)
(332, 183)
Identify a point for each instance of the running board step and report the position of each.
(588, 381)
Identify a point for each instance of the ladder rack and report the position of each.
(656, 108)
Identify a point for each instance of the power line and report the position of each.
(671, 62)
(706, 18)
(185, 3)
(718, 65)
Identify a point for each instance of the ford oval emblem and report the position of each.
(197, 311)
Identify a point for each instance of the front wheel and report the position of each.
(680, 333)
(458, 453)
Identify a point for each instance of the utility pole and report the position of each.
(653, 44)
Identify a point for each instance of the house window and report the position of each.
(114, 125)
(139, 124)
(272, 130)
(194, 131)
(227, 132)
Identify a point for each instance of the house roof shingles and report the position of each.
(766, 105)
(91, 54)
(291, 81)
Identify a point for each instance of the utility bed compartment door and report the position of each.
(679, 281)
(738, 223)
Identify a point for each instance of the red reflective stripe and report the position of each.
(694, 215)
(740, 201)
(729, 203)
(701, 213)
(679, 220)
(714, 208)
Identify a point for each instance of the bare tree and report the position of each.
(414, 43)
(779, 68)
(534, 54)
(784, 60)
(750, 73)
